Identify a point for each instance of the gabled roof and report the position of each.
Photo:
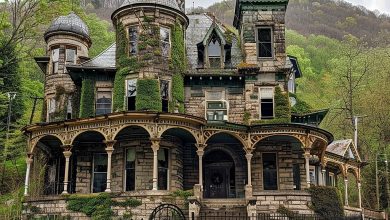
(344, 148)
(105, 59)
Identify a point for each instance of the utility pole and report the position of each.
(387, 182)
(355, 123)
(11, 96)
(377, 181)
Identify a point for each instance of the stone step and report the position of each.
(224, 203)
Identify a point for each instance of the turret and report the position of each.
(149, 33)
(68, 42)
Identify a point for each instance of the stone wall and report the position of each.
(297, 201)
(56, 206)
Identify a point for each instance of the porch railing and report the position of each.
(268, 216)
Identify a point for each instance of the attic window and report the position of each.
(214, 52)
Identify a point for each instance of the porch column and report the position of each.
(307, 166)
(155, 148)
(67, 153)
(346, 191)
(323, 172)
(109, 149)
(360, 194)
(249, 159)
(200, 153)
(29, 161)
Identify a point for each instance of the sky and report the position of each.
(381, 5)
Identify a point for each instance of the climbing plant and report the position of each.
(148, 95)
(178, 65)
(282, 105)
(87, 99)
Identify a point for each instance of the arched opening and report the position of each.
(132, 160)
(47, 172)
(88, 163)
(183, 162)
(278, 164)
(224, 167)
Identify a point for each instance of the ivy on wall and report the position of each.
(148, 95)
(87, 100)
(178, 65)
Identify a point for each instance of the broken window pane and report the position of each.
(133, 41)
(264, 40)
(165, 41)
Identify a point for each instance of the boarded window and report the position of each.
(165, 41)
(264, 42)
(133, 41)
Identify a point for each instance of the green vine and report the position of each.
(98, 207)
(282, 105)
(87, 100)
(178, 66)
(148, 95)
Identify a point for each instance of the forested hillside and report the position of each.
(342, 49)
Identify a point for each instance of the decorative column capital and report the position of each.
(307, 153)
(200, 152)
(67, 147)
(346, 180)
(110, 143)
(200, 146)
(248, 156)
(155, 143)
(29, 158)
(67, 154)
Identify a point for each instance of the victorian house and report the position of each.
(179, 102)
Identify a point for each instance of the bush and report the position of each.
(326, 201)
(148, 95)
(282, 105)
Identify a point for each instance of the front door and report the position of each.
(217, 180)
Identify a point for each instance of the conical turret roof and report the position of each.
(71, 24)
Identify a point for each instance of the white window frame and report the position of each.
(125, 169)
(103, 89)
(93, 169)
(258, 42)
(273, 103)
(225, 117)
(332, 179)
(170, 40)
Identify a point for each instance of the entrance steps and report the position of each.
(226, 208)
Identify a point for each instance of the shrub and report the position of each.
(87, 101)
(326, 201)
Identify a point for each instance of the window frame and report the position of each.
(66, 55)
(169, 42)
(53, 62)
(125, 168)
(168, 84)
(223, 99)
(93, 171)
(273, 104)
(127, 93)
(221, 52)
(168, 169)
(103, 89)
(277, 169)
(129, 40)
(271, 28)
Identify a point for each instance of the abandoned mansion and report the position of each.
(179, 104)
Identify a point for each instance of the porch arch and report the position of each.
(231, 134)
(34, 142)
(81, 134)
(139, 127)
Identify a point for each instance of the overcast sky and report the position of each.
(381, 5)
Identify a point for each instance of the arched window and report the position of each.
(214, 50)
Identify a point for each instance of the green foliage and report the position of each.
(246, 117)
(148, 95)
(285, 211)
(185, 194)
(98, 207)
(178, 65)
(301, 106)
(131, 202)
(282, 105)
(87, 101)
(326, 201)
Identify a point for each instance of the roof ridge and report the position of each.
(101, 53)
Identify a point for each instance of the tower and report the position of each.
(149, 33)
(68, 42)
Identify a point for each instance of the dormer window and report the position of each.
(215, 53)
(165, 39)
(264, 42)
(133, 41)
